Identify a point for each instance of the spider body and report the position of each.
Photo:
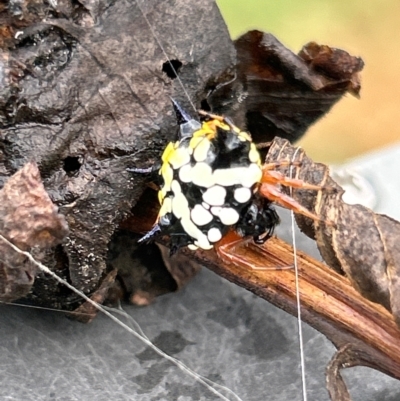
(212, 180)
(209, 183)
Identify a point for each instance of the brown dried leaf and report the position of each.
(279, 93)
(28, 219)
(337, 66)
(181, 268)
(363, 245)
(142, 274)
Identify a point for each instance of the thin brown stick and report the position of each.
(328, 301)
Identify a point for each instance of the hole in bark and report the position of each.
(71, 164)
(171, 68)
(204, 105)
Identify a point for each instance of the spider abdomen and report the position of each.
(208, 182)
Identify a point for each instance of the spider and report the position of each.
(212, 181)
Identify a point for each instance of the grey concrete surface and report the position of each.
(219, 330)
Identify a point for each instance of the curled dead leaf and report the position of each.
(363, 245)
(28, 219)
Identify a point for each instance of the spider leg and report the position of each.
(276, 177)
(147, 170)
(211, 116)
(263, 145)
(225, 120)
(282, 163)
(273, 194)
(182, 116)
(150, 234)
(232, 249)
(270, 176)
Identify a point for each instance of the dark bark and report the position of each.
(85, 93)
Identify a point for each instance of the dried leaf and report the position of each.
(339, 69)
(278, 93)
(182, 268)
(141, 271)
(363, 245)
(28, 219)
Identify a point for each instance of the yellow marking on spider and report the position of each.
(168, 151)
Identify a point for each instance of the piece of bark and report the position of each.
(86, 312)
(279, 93)
(85, 92)
(29, 220)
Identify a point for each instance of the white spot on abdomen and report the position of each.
(200, 216)
(166, 207)
(254, 155)
(242, 195)
(167, 174)
(201, 175)
(229, 176)
(179, 157)
(246, 176)
(215, 196)
(214, 235)
(203, 243)
(228, 216)
(185, 173)
(193, 231)
(175, 186)
(216, 210)
(252, 176)
(180, 206)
